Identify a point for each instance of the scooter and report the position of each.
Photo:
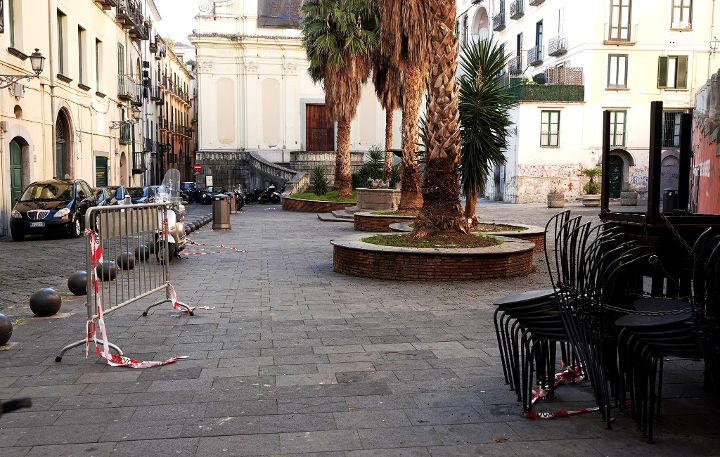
(270, 195)
(175, 217)
(239, 198)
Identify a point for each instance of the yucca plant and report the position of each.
(320, 182)
(485, 106)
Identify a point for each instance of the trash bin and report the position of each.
(221, 213)
(670, 200)
(232, 201)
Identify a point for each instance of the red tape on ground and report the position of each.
(571, 373)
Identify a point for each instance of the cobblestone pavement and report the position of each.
(297, 360)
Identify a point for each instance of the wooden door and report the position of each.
(101, 171)
(320, 129)
(16, 171)
(616, 176)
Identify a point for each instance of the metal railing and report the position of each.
(557, 46)
(517, 9)
(515, 66)
(128, 252)
(535, 56)
(499, 21)
(128, 88)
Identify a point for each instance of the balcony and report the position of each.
(557, 46)
(515, 66)
(128, 89)
(620, 35)
(106, 4)
(125, 134)
(535, 56)
(536, 2)
(547, 93)
(517, 9)
(128, 13)
(499, 21)
(141, 31)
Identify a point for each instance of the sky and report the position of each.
(178, 18)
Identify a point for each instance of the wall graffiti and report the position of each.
(548, 171)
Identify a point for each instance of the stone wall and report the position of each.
(312, 206)
(307, 161)
(367, 222)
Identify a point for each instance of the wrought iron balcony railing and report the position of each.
(557, 46)
(517, 9)
(535, 56)
(515, 66)
(499, 21)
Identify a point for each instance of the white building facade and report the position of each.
(254, 90)
(572, 61)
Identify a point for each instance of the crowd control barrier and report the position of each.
(127, 261)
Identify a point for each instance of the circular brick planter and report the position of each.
(313, 206)
(353, 257)
(533, 233)
(366, 221)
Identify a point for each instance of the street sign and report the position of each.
(198, 167)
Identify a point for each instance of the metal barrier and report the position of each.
(127, 260)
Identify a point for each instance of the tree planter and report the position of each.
(377, 199)
(556, 200)
(354, 257)
(591, 200)
(368, 222)
(533, 233)
(628, 198)
(313, 206)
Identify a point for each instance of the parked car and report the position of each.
(189, 191)
(118, 193)
(142, 195)
(209, 193)
(55, 206)
(104, 196)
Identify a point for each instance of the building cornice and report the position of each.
(241, 37)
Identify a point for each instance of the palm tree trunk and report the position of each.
(411, 196)
(471, 205)
(388, 144)
(342, 161)
(441, 211)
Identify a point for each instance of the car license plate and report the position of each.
(37, 224)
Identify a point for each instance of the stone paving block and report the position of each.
(406, 452)
(108, 388)
(475, 433)
(15, 451)
(95, 416)
(239, 445)
(332, 368)
(73, 450)
(281, 370)
(340, 349)
(134, 431)
(311, 405)
(564, 448)
(398, 437)
(371, 419)
(29, 419)
(485, 450)
(331, 440)
(305, 379)
(396, 347)
(183, 447)
(251, 425)
(59, 434)
(241, 408)
(174, 413)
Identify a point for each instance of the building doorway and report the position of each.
(17, 168)
(123, 170)
(616, 171)
(320, 129)
(63, 142)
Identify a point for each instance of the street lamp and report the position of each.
(37, 61)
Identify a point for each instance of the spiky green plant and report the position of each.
(485, 106)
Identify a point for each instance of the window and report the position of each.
(465, 29)
(519, 45)
(672, 72)
(671, 129)
(121, 59)
(98, 64)
(550, 128)
(13, 23)
(618, 121)
(82, 55)
(620, 13)
(62, 43)
(617, 71)
(682, 14)
(539, 34)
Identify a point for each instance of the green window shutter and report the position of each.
(682, 70)
(662, 71)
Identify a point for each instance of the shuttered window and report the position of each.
(682, 14)
(550, 128)
(673, 72)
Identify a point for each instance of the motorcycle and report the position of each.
(270, 195)
(239, 198)
(253, 196)
(175, 217)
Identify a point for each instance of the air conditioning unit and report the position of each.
(18, 90)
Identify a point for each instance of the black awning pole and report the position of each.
(605, 190)
(685, 161)
(655, 162)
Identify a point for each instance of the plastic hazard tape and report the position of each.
(217, 246)
(176, 303)
(571, 373)
(96, 329)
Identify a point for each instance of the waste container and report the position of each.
(670, 200)
(221, 213)
(232, 201)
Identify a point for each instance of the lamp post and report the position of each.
(37, 61)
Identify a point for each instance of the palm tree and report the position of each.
(403, 41)
(340, 37)
(388, 87)
(441, 211)
(484, 117)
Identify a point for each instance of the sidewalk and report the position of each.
(297, 360)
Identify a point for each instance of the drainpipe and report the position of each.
(52, 90)
(712, 37)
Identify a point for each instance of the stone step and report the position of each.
(330, 217)
(347, 213)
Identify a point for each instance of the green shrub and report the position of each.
(395, 178)
(320, 182)
(591, 188)
(373, 168)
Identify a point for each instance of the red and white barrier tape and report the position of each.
(172, 296)
(571, 373)
(95, 331)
